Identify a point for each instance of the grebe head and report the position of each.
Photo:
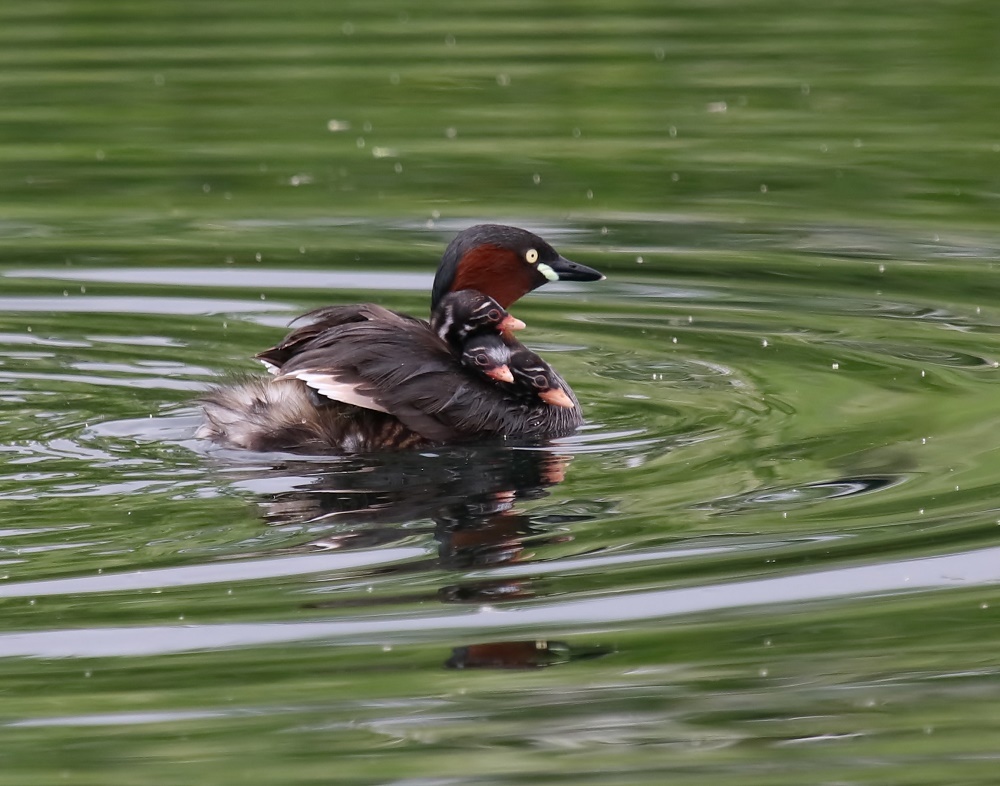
(488, 354)
(504, 263)
(463, 313)
(532, 373)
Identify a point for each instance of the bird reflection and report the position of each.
(468, 498)
(519, 654)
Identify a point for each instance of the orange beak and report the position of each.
(557, 398)
(502, 374)
(510, 323)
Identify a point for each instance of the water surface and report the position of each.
(769, 557)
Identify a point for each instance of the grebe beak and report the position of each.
(509, 323)
(566, 270)
(557, 398)
(500, 374)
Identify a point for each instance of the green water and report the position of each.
(771, 555)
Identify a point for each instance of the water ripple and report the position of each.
(972, 568)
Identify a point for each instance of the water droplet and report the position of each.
(503, 80)
(763, 342)
(536, 178)
(763, 188)
(836, 366)
(451, 132)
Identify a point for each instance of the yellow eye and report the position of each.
(531, 255)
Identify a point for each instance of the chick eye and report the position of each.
(482, 360)
(531, 255)
(540, 382)
(493, 315)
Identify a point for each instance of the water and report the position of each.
(771, 555)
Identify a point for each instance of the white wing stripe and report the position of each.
(344, 392)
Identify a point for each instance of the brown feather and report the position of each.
(495, 271)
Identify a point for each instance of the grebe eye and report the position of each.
(531, 255)
(493, 315)
(540, 382)
(482, 360)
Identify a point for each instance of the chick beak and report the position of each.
(511, 323)
(557, 398)
(500, 374)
